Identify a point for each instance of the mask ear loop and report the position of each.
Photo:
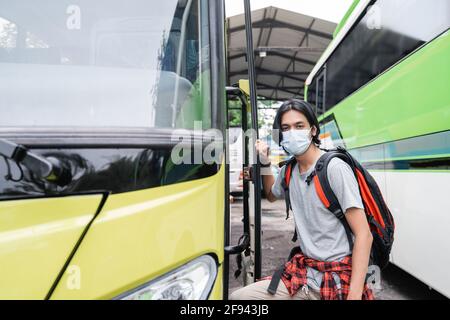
(310, 131)
(8, 175)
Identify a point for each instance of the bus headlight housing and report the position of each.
(192, 281)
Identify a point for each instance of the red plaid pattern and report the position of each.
(294, 277)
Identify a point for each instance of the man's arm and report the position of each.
(268, 181)
(267, 176)
(361, 251)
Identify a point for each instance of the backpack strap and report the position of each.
(275, 281)
(276, 277)
(325, 192)
(285, 183)
(290, 164)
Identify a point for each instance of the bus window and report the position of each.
(383, 36)
(105, 64)
(320, 94)
(312, 93)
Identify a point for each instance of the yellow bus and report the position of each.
(96, 97)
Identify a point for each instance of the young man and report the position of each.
(325, 251)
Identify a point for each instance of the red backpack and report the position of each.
(378, 215)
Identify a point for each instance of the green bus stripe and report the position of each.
(410, 171)
(435, 165)
(435, 145)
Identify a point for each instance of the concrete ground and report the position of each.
(276, 245)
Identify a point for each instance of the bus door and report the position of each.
(251, 253)
(248, 249)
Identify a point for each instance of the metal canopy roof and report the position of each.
(287, 46)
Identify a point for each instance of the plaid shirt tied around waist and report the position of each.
(294, 277)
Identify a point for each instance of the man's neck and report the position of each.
(306, 160)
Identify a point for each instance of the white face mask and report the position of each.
(296, 142)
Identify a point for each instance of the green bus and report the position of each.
(382, 90)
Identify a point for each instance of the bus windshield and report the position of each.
(104, 63)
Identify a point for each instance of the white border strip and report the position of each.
(360, 7)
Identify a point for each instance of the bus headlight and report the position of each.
(192, 281)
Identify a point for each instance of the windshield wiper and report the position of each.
(46, 168)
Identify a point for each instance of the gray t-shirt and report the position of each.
(321, 235)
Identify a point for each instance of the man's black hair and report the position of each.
(301, 106)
